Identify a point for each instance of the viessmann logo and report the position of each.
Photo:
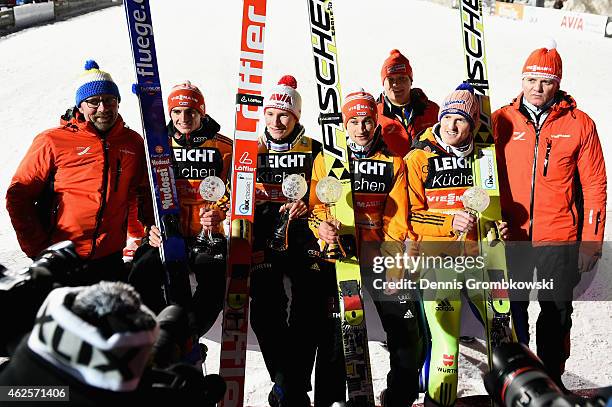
(538, 68)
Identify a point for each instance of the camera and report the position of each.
(518, 379)
(103, 343)
(24, 290)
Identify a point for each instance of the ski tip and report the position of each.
(288, 80)
(91, 64)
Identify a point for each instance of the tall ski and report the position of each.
(484, 169)
(248, 109)
(348, 275)
(159, 159)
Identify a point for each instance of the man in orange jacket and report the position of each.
(553, 195)
(403, 111)
(90, 170)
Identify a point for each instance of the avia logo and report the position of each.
(408, 315)
(575, 23)
(448, 360)
(561, 136)
(282, 97)
(445, 305)
(518, 135)
(83, 150)
(244, 159)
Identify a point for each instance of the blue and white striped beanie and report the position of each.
(94, 82)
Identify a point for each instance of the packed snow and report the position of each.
(200, 41)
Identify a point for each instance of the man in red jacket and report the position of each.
(553, 195)
(89, 170)
(403, 111)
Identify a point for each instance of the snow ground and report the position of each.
(200, 42)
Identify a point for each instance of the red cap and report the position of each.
(186, 95)
(359, 103)
(396, 63)
(544, 63)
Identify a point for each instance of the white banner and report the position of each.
(566, 20)
(30, 14)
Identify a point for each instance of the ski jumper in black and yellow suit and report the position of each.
(286, 341)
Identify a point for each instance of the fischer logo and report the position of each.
(574, 23)
(473, 44)
(159, 149)
(518, 135)
(322, 30)
(83, 150)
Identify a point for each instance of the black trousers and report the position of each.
(285, 331)
(147, 276)
(400, 317)
(557, 263)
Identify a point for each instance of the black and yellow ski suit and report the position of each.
(286, 341)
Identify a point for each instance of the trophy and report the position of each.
(294, 188)
(329, 191)
(475, 200)
(212, 188)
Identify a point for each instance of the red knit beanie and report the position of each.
(544, 63)
(396, 63)
(359, 103)
(186, 95)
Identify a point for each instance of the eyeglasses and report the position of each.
(95, 102)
